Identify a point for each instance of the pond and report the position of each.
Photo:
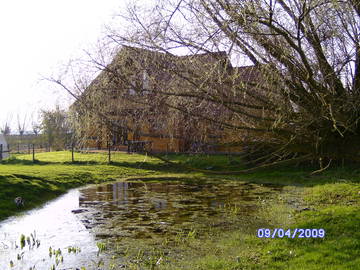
(122, 210)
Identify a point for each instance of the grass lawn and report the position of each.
(330, 201)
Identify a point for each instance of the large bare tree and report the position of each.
(301, 98)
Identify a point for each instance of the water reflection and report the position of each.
(124, 209)
(137, 209)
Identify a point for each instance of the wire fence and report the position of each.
(12, 151)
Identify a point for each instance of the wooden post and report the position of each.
(72, 152)
(109, 154)
(1, 152)
(33, 152)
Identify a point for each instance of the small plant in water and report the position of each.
(99, 263)
(192, 234)
(231, 209)
(74, 250)
(22, 241)
(101, 247)
(57, 253)
(20, 256)
(155, 258)
(179, 238)
(35, 242)
(31, 241)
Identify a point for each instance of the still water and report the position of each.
(55, 226)
(114, 211)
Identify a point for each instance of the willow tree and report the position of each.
(308, 53)
(300, 99)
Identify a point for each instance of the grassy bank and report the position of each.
(330, 201)
(335, 208)
(53, 174)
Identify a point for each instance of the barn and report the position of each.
(133, 122)
(4, 150)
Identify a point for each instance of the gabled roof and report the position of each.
(160, 63)
(247, 73)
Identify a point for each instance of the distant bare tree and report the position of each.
(5, 129)
(36, 127)
(21, 125)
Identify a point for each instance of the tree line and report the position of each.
(52, 132)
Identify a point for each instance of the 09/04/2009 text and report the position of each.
(290, 233)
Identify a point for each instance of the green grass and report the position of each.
(333, 198)
(53, 174)
(209, 162)
(336, 209)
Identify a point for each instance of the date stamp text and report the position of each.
(290, 233)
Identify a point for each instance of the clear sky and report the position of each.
(37, 37)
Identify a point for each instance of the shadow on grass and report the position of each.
(83, 162)
(291, 176)
(160, 167)
(35, 191)
(15, 161)
(301, 176)
(285, 176)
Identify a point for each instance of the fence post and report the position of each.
(1, 152)
(33, 153)
(29, 148)
(72, 152)
(109, 153)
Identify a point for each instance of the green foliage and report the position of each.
(55, 127)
